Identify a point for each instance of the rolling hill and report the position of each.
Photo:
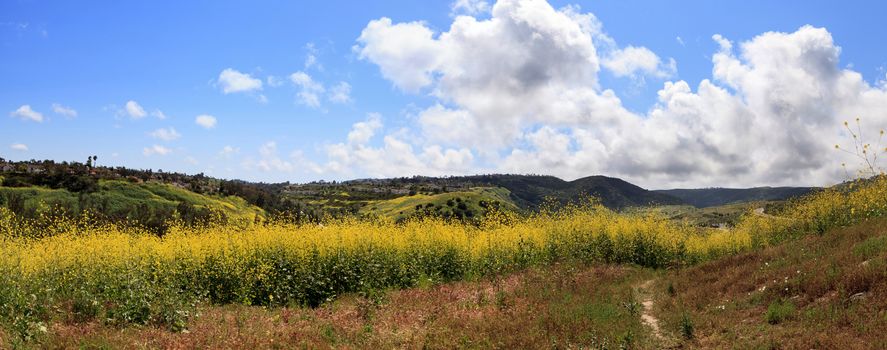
(149, 203)
(530, 191)
(459, 205)
(711, 197)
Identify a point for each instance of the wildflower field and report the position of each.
(73, 271)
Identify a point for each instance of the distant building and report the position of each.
(34, 169)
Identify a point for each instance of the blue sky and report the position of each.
(165, 60)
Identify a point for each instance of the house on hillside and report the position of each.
(34, 169)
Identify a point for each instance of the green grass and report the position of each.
(121, 198)
(403, 207)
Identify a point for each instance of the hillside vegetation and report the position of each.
(462, 205)
(151, 204)
(712, 197)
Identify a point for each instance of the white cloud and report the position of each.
(26, 113)
(469, 7)
(229, 151)
(134, 110)
(206, 121)
(156, 150)
(362, 132)
(234, 81)
(311, 57)
(407, 53)
(166, 134)
(66, 112)
(524, 84)
(158, 114)
(633, 60)
(340, 93)
(309, 90)
(269, 160)
(395, 157)
(273, 81)
(21, 147)
(680, 40)
(191, 160)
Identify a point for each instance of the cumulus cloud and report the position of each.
(21, 147)
(206, 121)
(134, 110)
(158, 114)
(234, 81)
(26, 113)
(394, 157)
(521, 90)
(166, 134)
(156, 150)
(66, 112)
(362, 132)
(633, 60)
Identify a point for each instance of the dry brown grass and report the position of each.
(728, 300)
(565, 306)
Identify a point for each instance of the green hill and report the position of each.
(457, 205)
(148, 203)
(530, 191)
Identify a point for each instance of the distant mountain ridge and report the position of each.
(711, 197)
(530, 191)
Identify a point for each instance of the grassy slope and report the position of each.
(117, 196)
(404, 206)
(818, 292)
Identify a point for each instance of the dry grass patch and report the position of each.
(561, 306)
(819, 291)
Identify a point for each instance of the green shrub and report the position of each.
(779, 311)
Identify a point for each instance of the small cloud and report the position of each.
(680, 41)
(362, 132)
(229, 151)
(158, 114)
(206, 121)
(26, 113)
(309, 90)
(633, 60)
(273, 81)
(191, 160)
(21, 147)
(168, 134)
(311, 57)
(234, 81)
(134, 110)
(156, 150)
(469, 7)
(340, 93)
(64, 111)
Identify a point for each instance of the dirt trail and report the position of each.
(647, 314)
